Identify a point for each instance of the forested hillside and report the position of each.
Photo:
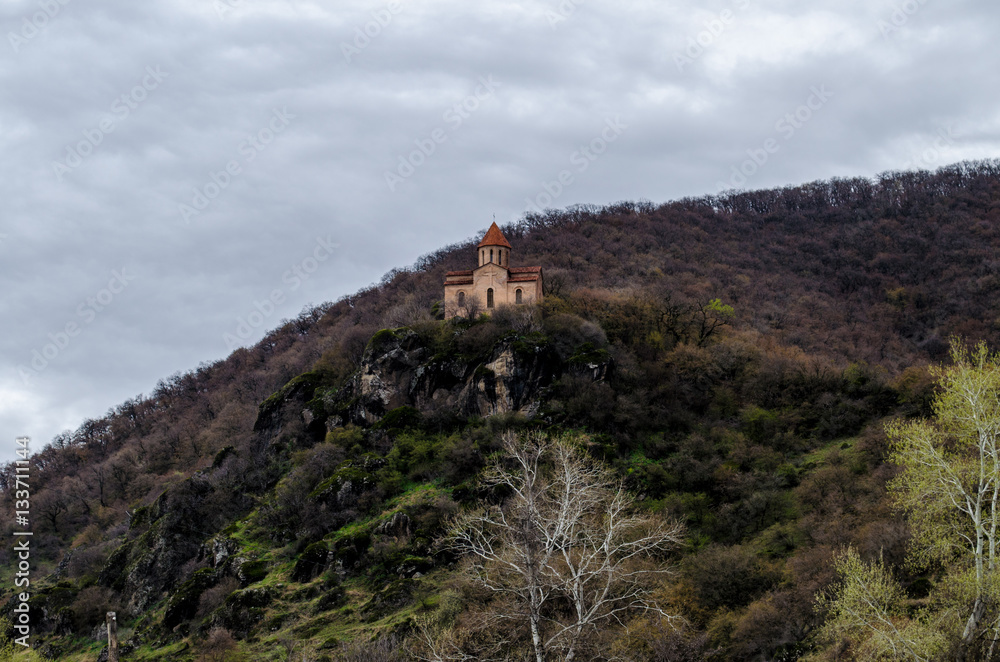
(731, 359)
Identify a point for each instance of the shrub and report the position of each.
(219, 646)
(213, 598)
(728, 577)
(569, 332)
(91, 607)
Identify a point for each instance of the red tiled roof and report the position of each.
(525, 270)
(464, 272)
(523, 278)
(464, 281)
(494, 238)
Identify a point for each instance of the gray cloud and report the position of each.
(913, 84)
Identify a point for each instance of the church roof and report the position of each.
(525, 270)
(494, 238)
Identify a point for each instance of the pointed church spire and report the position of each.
(494, 238)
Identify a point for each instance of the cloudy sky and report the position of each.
(165, 164)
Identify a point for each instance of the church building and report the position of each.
(493, 283)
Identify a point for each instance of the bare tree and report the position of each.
(407, 313)
(77, 491)
(101, 479)
(568, 536)
(123, 471)
(51, 504)
(523, 318)
(472, 309)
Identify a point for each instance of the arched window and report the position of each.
(491, 255)
(518, 296)
(489, 298)
(461, 299)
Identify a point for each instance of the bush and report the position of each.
(219, 646)
(568, 332)
(91, 607)
(728, 577)
(213, 598)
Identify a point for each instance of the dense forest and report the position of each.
(722, 367)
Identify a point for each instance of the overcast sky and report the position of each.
(166, 163)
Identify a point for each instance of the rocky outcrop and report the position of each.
(292, 411)
(149, 561)
(398, 371)
(393, 364)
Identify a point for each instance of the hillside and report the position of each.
(732, 358)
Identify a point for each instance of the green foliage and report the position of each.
(759, 425)
(868, 609)
(252, 572)
(6, 639)
(718, 309)
(349, 438)
(952, 464)
(400, 418)
(948, 485)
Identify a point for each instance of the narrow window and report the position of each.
(517, 296)
(489, 298)
(491, 255)
(461, 299)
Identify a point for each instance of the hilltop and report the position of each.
(731, 358)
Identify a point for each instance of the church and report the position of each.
(493, 283)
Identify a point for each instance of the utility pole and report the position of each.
(112, 637)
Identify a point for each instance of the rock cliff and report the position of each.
(398, 370)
